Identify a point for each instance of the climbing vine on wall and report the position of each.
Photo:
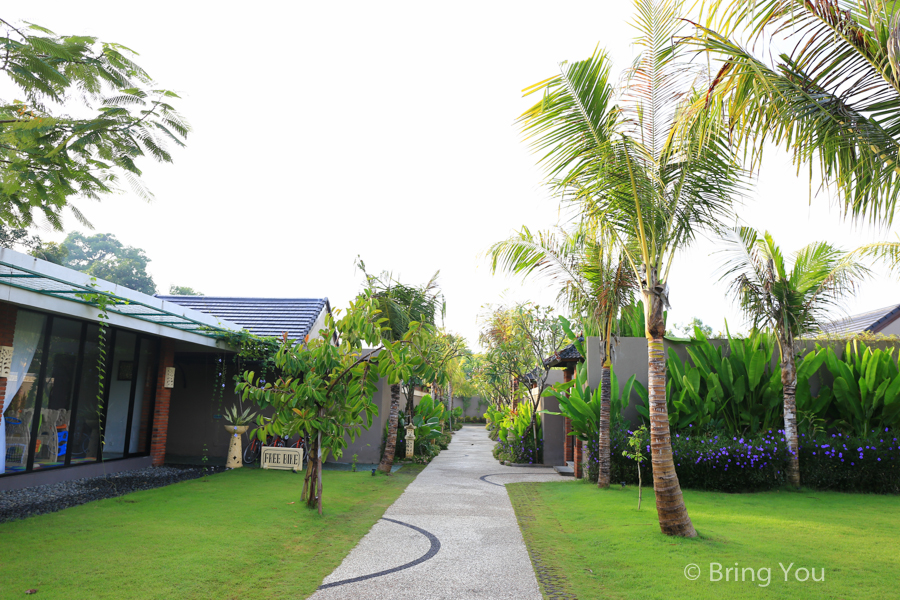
(102, 301)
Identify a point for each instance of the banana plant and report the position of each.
(516, 423)
(427, 421)
(866, 388)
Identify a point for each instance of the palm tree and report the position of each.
(792, 302)
(651, 185)
(593, 280)
(401, 305)
(833, 100)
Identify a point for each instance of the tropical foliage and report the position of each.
(518, 432)
(586, 412)
(791, 301)
(50, 157)
(864, 397)
(649, 182)
(733, 389)
(404, 309)
(324, 389)
(832, 100)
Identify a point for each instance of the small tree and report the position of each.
(325, 390)
(792, 302)
(637, 441)
(518, 340)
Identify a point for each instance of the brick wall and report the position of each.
(8, 314)
(161, 408)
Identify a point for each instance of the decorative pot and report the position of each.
(234, 448)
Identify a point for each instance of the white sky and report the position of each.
(327, 130)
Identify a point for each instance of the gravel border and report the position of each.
(43, 499)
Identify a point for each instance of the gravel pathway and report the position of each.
(452, 534)
(38, 500)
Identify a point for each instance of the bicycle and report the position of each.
(253, 451)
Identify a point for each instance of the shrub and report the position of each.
(520, 450)
(729, 463)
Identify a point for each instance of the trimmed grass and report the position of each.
(595, 544)
(240, 534)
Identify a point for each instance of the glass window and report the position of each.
(143, 397)
(57, 394)
(119, 382)
(84, 433)
(21, 392)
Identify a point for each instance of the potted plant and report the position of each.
(238, 423)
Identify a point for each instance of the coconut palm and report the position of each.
(401, 305)
(791, 301)
(593, 280)
(651, 185)
(833, 100)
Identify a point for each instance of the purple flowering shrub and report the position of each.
(851, 464)
(520, 451)
(728, 463)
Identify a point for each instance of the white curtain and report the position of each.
(28, 334)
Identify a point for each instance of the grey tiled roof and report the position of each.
(261, 316)
(567, 354)
(873, 320)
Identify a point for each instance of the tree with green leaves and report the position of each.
(325, 389)
(832, 100)
(183, 290)
(405, 308)
(105, 257)
(593, 280)
(48, 156)
(651, 185)
(792, 301)
(518, 342)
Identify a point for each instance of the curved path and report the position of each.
(452, 534)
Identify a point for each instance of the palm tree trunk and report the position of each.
(410, 403)
(387, 461)
(789, 383)
(603, 446)
(670, 508)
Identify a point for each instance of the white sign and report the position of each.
(282, 458)
(170, 378)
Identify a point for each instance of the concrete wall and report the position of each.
(553, 426)
(472, 407)
(367, 445)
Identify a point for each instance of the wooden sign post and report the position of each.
(290, 459)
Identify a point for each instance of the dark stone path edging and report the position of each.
(432, 551)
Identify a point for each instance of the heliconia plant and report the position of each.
(736, 390)
(866, 389)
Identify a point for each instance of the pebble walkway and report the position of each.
(452, 534)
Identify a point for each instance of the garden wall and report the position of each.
(630, 358)
(367, 445)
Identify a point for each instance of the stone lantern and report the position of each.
(410, 439)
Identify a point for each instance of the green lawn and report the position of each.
(240, 534)
(595, 544)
